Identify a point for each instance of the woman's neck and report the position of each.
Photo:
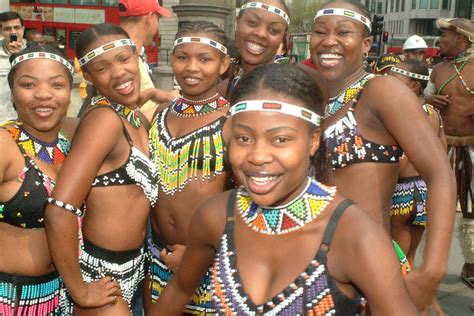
(45, 136)
(337, 86)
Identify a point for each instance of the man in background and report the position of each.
(33, 36)
(12, 31)
(414, 48)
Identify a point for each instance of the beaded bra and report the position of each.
(130, 115)
(336, 103)
(287, 218)
(179, 159)
(51, 153)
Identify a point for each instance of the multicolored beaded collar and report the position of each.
(104, 48)
(43, 55)
(409, 74)
(309, 204)
(269, 8)
(186, 108)
(346, 13)
(339, 101)
(51, 153)
(201, 40)
(276, 106)
(130, 115)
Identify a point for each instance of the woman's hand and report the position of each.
(172, 255)
(98, 293)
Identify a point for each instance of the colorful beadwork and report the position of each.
(410, 198)
(44, 55)
(456, 74)
(287, 218)
(463, 82)
(130, 115)
(269, 8)
(104, 48)
(23, 295)
(346, 13)
(339, 101)
(402, 258)
(185, 108)
(179, 159)
(276, 106)
(201, 40)
(51, 153)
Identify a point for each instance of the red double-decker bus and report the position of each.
(66, 19)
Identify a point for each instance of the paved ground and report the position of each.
(454, 295)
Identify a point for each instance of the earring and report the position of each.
(365, 55)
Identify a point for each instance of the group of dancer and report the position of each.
(263, 196)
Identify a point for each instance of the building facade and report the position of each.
(403, 18)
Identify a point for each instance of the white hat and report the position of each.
(414, 42)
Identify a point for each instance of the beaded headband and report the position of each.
(275, 106)
(269, 8)
(410, 74)
(104, 48)
(347, 13)
(201, 40)
(43, 55)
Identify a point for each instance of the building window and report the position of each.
(386, 6)
(413, 4)
(403, 6)
(372, 7)
(423, 4)
(110, 3)
(391, 5)
(379, 7)
(367, 3)
(463, 9)
(434, 4)
(397, 6)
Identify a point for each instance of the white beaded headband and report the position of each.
(201, 40)
(269, 8)
(104, 48)
(275, 106)
(410, 74)
(347, 13)
(44, 55)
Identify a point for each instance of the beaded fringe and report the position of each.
(32, 299)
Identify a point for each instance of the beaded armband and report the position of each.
(66, 206)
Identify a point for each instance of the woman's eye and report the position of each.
(345, 32)
(27, 85)
(251, 22)
(274, 30)
(243, 139)
(58, 85)
(281, 140)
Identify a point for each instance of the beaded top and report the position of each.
(185, 108)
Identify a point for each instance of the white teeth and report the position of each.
(123, 86)
(255, 48)
(331, 56)
(44, 110)
(191, 80)
(262, 180)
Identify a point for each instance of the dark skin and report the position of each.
(405, 234)
(197, 68)
(263, 29)
(281, 147)
(93, 155)
(454, 102)
(385, 119)
(36, 84)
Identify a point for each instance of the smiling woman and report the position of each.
(34, 148)
(109, 171)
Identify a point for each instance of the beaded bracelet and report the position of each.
(66, 206)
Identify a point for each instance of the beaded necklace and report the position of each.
(456, 74)
(179, 159)
(186, 108)
(336, 103)
(280, 220)
(51, 153)
(130, 115)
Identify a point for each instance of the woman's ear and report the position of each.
(315, 139)
(225, 65)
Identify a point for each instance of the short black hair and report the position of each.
(33, 48)
(418, 67)
(10, 15)
(202, 27)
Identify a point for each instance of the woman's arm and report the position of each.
(96, 137)
(206, 227)
(406, 121)
(365, 255)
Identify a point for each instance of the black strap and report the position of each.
(331, 227)
(229, 226)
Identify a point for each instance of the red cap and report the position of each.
(142, 7)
